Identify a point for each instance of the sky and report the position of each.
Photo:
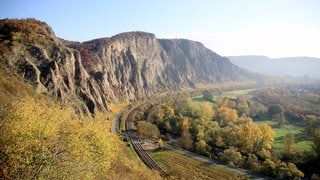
(274, 28)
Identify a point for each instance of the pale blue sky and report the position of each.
(275, 28)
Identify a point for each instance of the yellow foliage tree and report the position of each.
(253, 138)
(43, 140)
(226, 115)
(206, 110)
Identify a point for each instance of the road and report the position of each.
(115, 123)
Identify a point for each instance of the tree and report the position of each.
(185, 124)
(183, 105)
(289, 145)
(206, 110)
(312, 122)
(231, 157)
(253, 138)
(226, 115)
(160, 142)
(257, 109)
(270, 168)
(281, 170)
(252, 163)
(276, 112)
(43, 140)
(203, 148)
(280, 119)
(227, 137)
(316, 141)
(291, 171)
(275, 109)
(186, 141)
(204, 129)
(147, 129)
(243, 108)
(208, 96)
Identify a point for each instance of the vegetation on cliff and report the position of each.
(40, 138)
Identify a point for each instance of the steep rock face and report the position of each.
(30, 49)
(135, 63)
(199, 64)
(127, 65)
(91, 74)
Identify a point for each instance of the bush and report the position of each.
(147, 129)
(231, 157)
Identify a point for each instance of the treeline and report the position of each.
(223, 131)
(293, 105)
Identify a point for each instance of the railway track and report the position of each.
(142, 153)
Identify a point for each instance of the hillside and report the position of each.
(292, 66)
(124, 67)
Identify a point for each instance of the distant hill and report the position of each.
(292, 66)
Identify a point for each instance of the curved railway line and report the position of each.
(142, 153)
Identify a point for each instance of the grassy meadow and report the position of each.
(303, 142)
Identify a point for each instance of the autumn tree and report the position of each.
(207, 95)
(256, 109)
(183, 105)
(147, 129)
(206, 110)
(43, 140)
(231, 157)
(291, 171)
(227, 137)
(312, 122)
(204, 129)
(276, 112)
(226, 115)
(253, 138)
(160, 143)
(281, 170)
(203, 148)
(316, 141)
(186, 141)
(252, 163)
(289, 145)
(243, 108)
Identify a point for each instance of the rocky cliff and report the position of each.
(91, 74)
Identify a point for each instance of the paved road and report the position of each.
(215, 163)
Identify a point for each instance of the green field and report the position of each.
(236, 93)
(303, 142)
(197, 100)
(182, 167)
